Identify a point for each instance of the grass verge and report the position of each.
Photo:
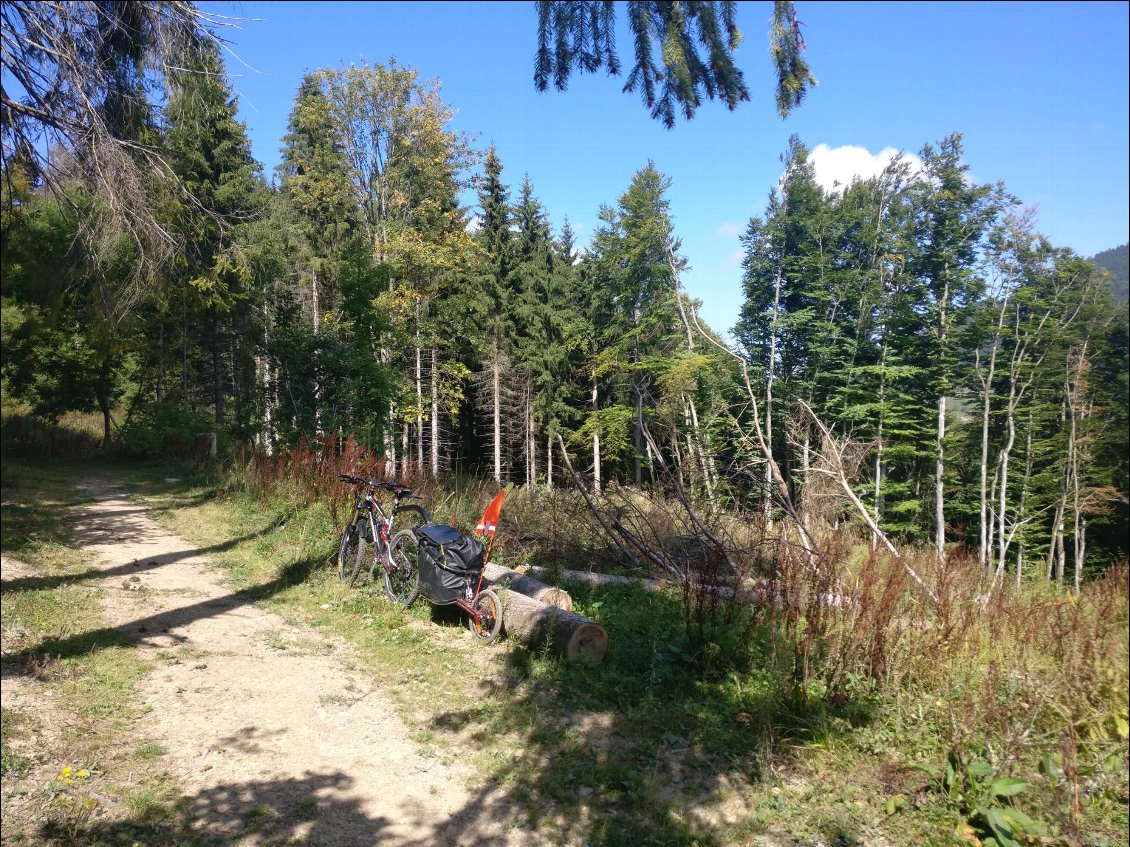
(67, 736)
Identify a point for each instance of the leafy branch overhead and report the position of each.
(684, 51)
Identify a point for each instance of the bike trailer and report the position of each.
(450, 564)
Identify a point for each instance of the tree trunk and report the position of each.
(939, 490)
(531, 451)
(390, 444)
(496, 400)
(770, 370)
(419, 411)
(877, 491)
(540, 625)
(435, 414)
(549, 461)
(160, 388)
(1022, 512)
(600, 579)
(530, 586)
(316, 317)
(104, 398)
(217, 373)
(595, 442)
(940, 447)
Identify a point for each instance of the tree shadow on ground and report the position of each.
(637, 749)
(46, 583)
(161, 625)
(320, 809)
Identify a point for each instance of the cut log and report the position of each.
(600, 578)
(752, 592)
(566, 633)
(530, 586)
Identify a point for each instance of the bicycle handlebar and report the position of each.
(401, 491)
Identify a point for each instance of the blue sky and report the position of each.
(1038, 90)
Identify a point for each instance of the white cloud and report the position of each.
(474, 224)
(728, 230)
(836, 167)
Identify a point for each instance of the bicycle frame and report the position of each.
(381, 528)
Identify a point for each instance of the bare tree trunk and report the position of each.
(983, 556)
(1055, 545)
(316, 318)
(160, 389)
(531, 443)
(770, 372)
(1002, 493)
(638, 435)
(805, 467)
(595, 441)
(217, 372)
(1022, 513)
(1078, 367)
(419, 409)
(877, 491)
(268, 408)
(939, 491)
(548, 460)
(698, 448)
(496, 397)
(833, 465)
(940, 447)
(435, 414)
(699, 451)
(184, 353)
(759, 444)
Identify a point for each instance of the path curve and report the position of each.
(264, 725)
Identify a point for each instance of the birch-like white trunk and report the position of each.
(419, 410)
(983, 556)
(940, 447)
(435, 414)
(771, 369)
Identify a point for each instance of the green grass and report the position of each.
(652, 745)
(54, 632)
(655, 744)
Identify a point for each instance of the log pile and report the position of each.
(529, 586)
(540, 615)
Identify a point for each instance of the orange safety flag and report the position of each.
(489, 522)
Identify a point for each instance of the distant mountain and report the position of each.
(1115, 261)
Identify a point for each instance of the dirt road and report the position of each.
(267, 726)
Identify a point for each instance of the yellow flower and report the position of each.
(82, 774)
(66, 771)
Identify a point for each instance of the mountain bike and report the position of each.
(369, 539)
(435, 560)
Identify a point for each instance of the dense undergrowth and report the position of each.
(846, 705)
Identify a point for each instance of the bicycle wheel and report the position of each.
(349, 552)
(402, 574)
(488, 607)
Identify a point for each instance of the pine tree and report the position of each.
(209, 151)
(669, 71)
(953, 215)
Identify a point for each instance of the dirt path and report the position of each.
(264, 724)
